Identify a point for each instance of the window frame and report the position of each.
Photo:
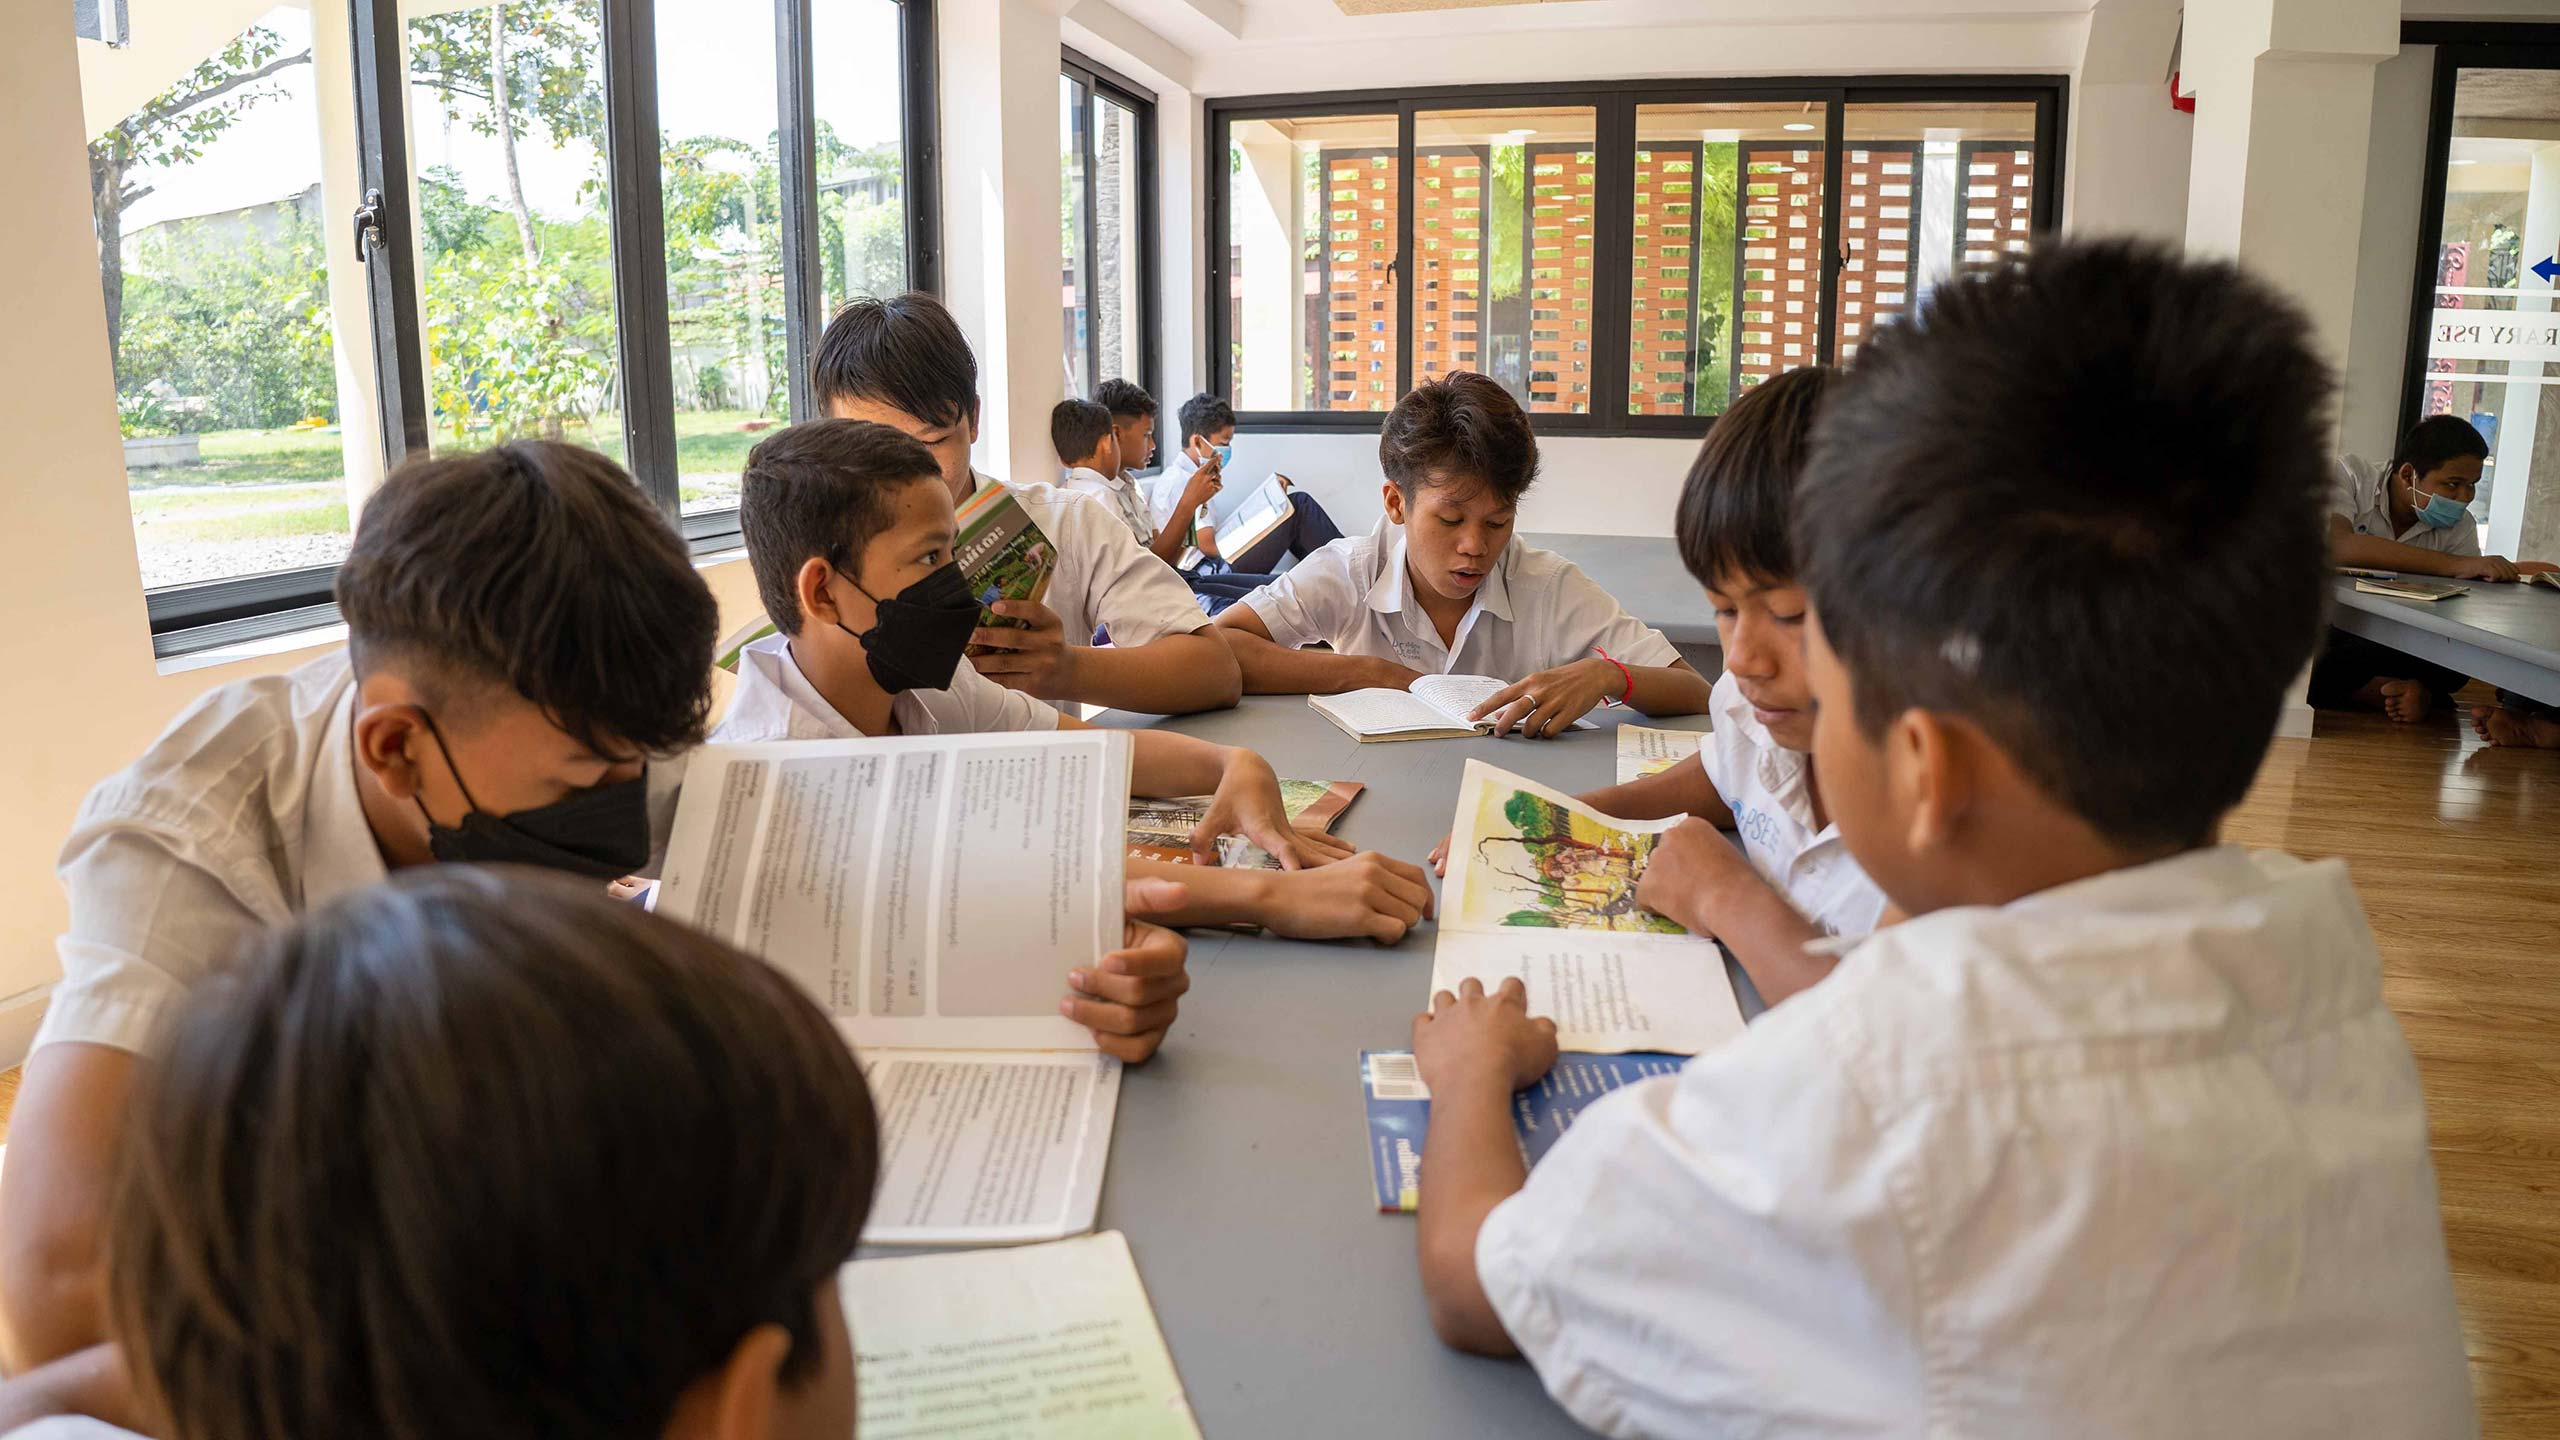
(1101, 81)
(185, 619)
(1615, 104)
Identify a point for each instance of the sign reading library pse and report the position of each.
(2495, 335)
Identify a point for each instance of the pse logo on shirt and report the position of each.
(1758, 828)
(1409, 651)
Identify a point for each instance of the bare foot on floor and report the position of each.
(2501, 726)
(2407, 701)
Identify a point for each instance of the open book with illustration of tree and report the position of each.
(1543, 887)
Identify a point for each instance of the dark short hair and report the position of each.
(904, 351)
(820, 488)
(535, 567)
(2082, 481)
(1203, 413)
(1462, 430)
(480, 1152)
(2439, 438)
(1076, 426)
(1125, 399)
(1735, 509)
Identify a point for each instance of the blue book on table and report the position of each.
(1400, 1110)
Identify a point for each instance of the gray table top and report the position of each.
(1645, 573)
(1239, 1165)
(2505, 634)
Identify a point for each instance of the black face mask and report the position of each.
(602, 831)
(921, 633)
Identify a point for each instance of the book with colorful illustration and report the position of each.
(1542, 888)
(1002, 552)
(1399, 1107)
(1643, 750)
(1161, 829)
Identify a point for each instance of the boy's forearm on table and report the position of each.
(1171, 675)
(1766, 934)
(1667, 690)
(1271, 668)
(1165, 763)
(1215, 894)
(1470, 1164)
(2373, 552)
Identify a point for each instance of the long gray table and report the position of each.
(1645, 573)
(1239, 1163)
(2508, 635)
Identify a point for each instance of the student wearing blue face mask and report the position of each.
(1208, 446)
(2413, 516)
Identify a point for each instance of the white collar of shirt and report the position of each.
(1392, 592)
(339, 851)
(1784, 774)
(776, 701)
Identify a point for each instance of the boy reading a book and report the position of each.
(528, 641)
(1793, 881)
(851, 546)
(903, 362)
(2116, 1135)
(1090, 442)
(476, 1152)
(1441, 587)
(2411, 515)
(1196, 472)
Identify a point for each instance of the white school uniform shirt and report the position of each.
(1164, 489)
(242, 815)
(2142, 1155)
(2361, 492)
(775, 701)
(1769, 789)
(1119, 493)
(1103, 575)
(69, 1427)
(1535, 610)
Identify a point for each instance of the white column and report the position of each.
(2284, 120)
(2520, 405)
(350, 303)
(1002, 250)
(1267, 221)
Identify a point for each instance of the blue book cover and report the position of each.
(1400, 1110)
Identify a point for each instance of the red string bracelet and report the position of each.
(1623, 673)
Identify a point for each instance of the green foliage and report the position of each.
(1533, 817)
(551, 55)
(241, 330)
(502, 339)
(1505, 196)
(143, 416)
(1715, 196)
(450, 222)
(1534, 919)
(176, 126)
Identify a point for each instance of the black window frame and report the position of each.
(186, 619)
(1101, 81)
(1616, 104)
(2459, 46)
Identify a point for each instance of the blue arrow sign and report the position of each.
(2548, 269)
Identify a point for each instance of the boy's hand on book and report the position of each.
(2536, 567)
(1038, 658)
(1367, 894)
(1440, 858)
(1691, 868)
(1543, 705)
(1380, 673)
(2494, 568)
(1129, 999)
(1472, 1039)
(1248, 803)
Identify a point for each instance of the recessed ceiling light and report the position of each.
(1795, 125)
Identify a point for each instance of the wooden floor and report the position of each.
(2456, 850)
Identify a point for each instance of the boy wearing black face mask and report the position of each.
(851, 544)
(524, 633)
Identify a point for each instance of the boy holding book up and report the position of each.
(1091, 442)
(903, 363)
(851, 544)
(476, 1152)
(1441, 587)
(2116, 1134)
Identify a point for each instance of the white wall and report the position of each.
(2386, 255)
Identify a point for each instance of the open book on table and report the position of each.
(1544, 888)
(1160, 829)
(2409, 587)
(1436, 708)
(1399, 1107)
(1643, 750)
(932, 892)
(1002, 553)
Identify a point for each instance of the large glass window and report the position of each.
(1106, 168)
(1621, 263)
(1313, 208)
(2492, 341)
(308, 275)
(241, 381)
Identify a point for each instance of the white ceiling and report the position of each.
(1210, 26)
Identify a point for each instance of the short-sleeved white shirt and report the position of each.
(1104, 577)
(2141, 1155)
(69, 1427)
(1536, 610)
(1121, 493)
(775, 701)
(242, 815)
(1769, 789)
(2361, 492)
